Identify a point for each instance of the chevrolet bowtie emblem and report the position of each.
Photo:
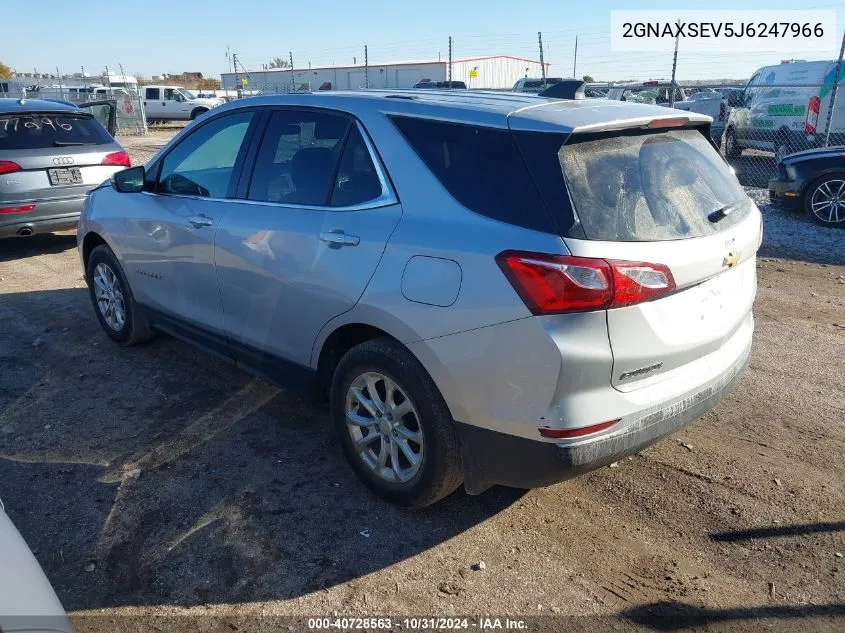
(731, 259)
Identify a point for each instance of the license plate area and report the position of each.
(65, 176)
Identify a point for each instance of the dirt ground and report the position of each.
(157, 483)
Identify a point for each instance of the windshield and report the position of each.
(650, 186)
(36, 131)
(187, 94)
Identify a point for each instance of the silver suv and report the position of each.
(51, 154)
(489, 288)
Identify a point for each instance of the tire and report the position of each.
(197, 112)
(438, 472)
(133, 328)
(732, 149)
(830, 187)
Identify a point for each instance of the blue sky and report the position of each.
(187, 35)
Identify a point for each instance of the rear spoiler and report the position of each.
(565, 89)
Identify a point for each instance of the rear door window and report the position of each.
(356, 181)
(650, 187)
(481, 167)
(152, 94)
(298, 158)
(44, 130)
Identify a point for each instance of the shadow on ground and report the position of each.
(677, 616)
(22, 247)
(173, 477)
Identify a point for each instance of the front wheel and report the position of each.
(197, 112)
(114, 305)
(824, 200)
(394, 426)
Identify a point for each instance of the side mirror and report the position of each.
(129, 180)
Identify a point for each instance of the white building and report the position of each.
(494, 71)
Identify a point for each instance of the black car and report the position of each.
(812, 180)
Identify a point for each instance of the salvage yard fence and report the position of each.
(130, 116)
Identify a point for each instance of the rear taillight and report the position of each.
(23, 208)
(812, 120)
(554, 284)
(120, 159)
(7, 167)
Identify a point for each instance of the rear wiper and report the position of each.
(66, 143)
(721, 214)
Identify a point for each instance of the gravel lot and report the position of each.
(157, 481)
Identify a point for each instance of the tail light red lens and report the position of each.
(812, 120)
(555, 284)
(8, 167)
(23, 208)
(120, 159)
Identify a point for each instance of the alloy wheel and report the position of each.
(109, 296)
(828, 201)
(385, 427)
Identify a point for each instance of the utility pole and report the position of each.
(833, 92)
(450, 61)
(292, 76)
(122, 75)
(61, 90)
(229, 57)
(542, 64)
(674, 68)
(366, 69)
(84, 79)
(575, 59)
(234, 62)
(108, 79)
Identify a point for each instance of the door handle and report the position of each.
(200, 221)
(339, 239)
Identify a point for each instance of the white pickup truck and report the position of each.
(661, 93)
(173, 103)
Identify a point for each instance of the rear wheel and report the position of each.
(824, 200)
(114, 305)
(394, 426)
(732, 149)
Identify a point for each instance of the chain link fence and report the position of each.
(754, 125)
(130, 117)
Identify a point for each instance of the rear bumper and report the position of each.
(491, 458)
(48, 216)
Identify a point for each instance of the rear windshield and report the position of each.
(649, 187)
(38, 131)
